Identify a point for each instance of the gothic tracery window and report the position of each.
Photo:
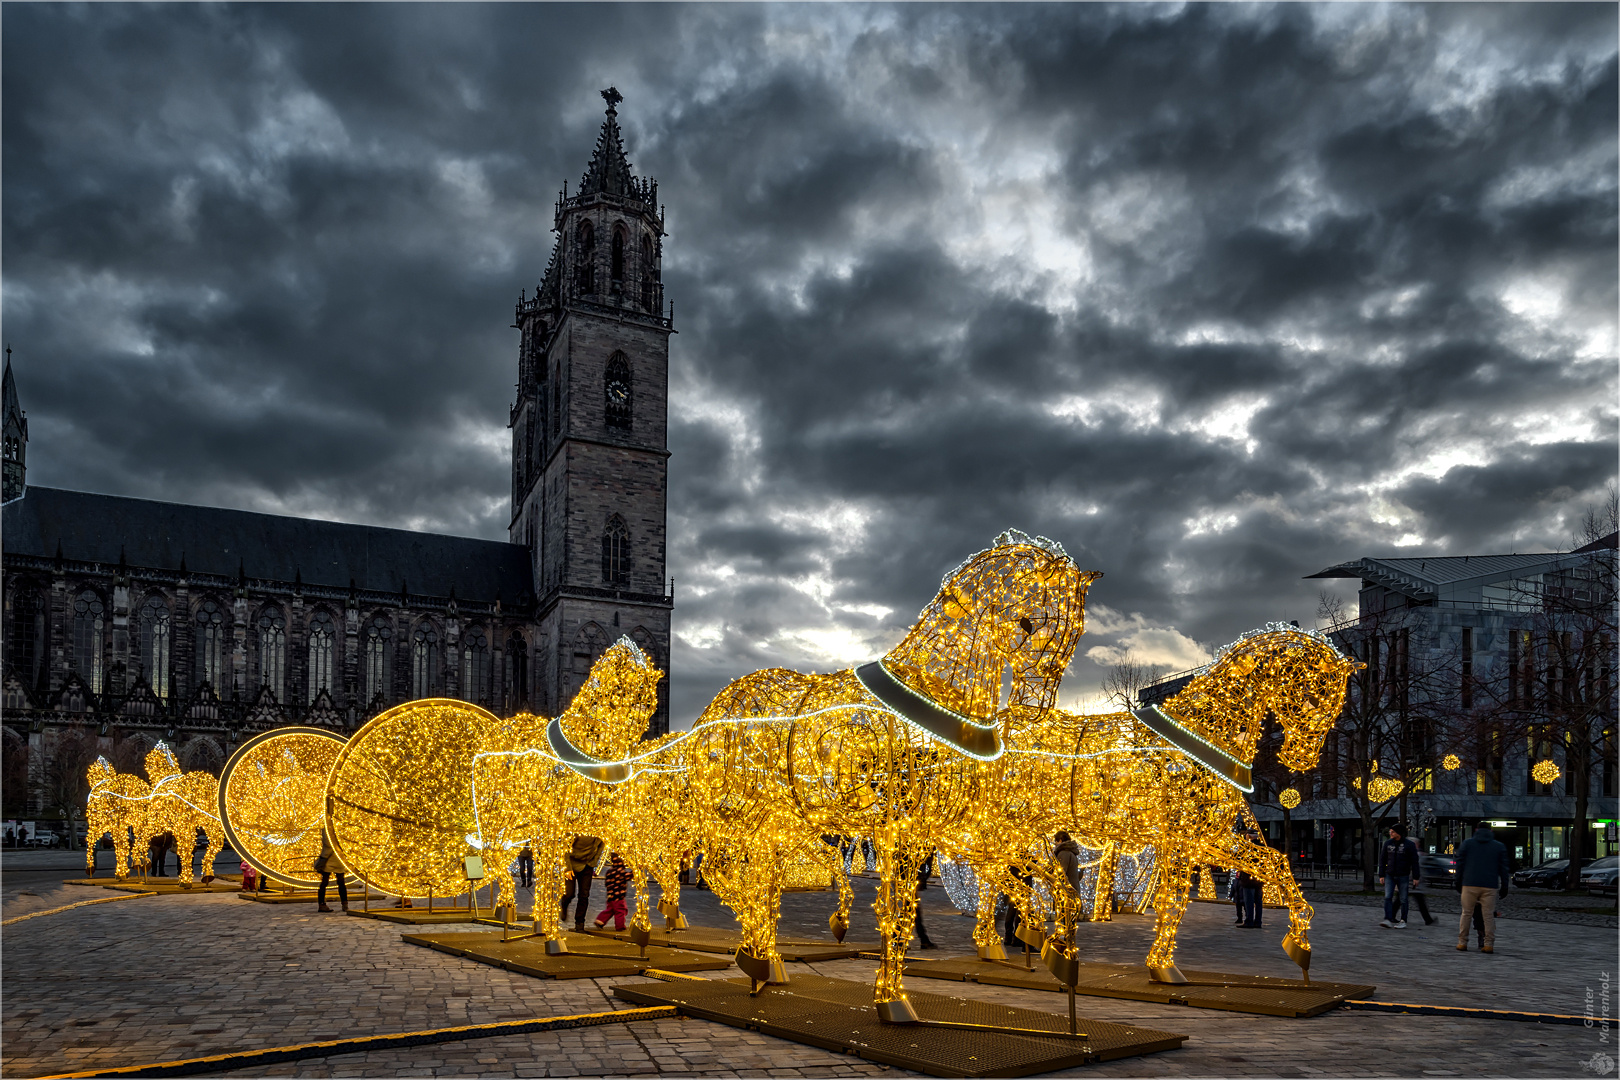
(587, 258)
(618, 254)
(154, 622)
(517, 672)
(647, 301)
(27, 637)
(616, 552)
(88, 622)
(424, 659)
(322, 635)
(272, 649)
(378, 634)
(475, 666)
(210, 641)
(617, 389)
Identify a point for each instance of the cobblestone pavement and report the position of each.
(182, 976)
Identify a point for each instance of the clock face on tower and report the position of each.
(618, 389)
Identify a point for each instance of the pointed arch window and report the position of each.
(424, 660)
(618, 255)
(322, 636)
(27, 638)
(517, 672)
(89, 619)
(647, 301)
(616, 552)
(618, 391)
(210, 640)
(475, 667)
(378, 633)
(272, 649)
(587, 258)
(154, 621)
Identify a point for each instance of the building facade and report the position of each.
(127, 621)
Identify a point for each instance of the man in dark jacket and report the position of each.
(582, 860)
(1482, 867)
(1397, 871)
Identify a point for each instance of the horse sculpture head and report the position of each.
(161, 763)
(611, 711)
(1296, 675)
(1006, 620)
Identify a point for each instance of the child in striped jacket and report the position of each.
(618, 883)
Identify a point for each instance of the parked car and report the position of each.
(1599, 878)
(1438, 871)
(42, 838)
(1553, 874)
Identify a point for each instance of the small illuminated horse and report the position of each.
(117, 804)
(180, 803)
(1174, 776)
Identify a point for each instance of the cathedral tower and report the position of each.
(589, 429)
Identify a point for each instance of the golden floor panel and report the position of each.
(589, 958)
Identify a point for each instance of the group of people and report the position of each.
(1066, 853)
(1482, 878)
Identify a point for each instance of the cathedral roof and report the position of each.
(209, 540)
(609, 171)
(9, 406)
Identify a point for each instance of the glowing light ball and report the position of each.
(1289, 798)
(272, 800)
(400, 801)
(1451, 761)
(1545, 771)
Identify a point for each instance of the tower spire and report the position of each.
(14, 423)
(609, 171)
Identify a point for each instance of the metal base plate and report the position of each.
(1203, 989)
(839, 1015)
(162, 886)
(710, 939)
(414, 916)
(586, 958)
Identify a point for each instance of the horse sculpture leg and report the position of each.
(1102, 892)
(1170, 904)
(838, 922)
(1271, 867)
(550, 882)
(896, 908)
(985, 935)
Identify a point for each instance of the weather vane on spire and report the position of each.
(612, 96)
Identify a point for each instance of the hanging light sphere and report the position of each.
(1545, 771)
(1451, 761)
(272, 801)
(1289, 798)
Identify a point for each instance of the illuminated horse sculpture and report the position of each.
(174, 802)
(117, 804)
(1174, 777)
(888, 750)
(180, 804)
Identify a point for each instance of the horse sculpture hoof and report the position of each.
(556, 947)
(993, 951)
(1299, 954)
(1169, 974)
(898, 1011)
(761, 971)
(839, 926)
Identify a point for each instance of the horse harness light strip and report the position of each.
(603, 772)
(1195, 746)
(952, 727)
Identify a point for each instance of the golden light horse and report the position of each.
(117, 804)
(1174, 777)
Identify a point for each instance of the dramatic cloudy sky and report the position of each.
(1215, 296)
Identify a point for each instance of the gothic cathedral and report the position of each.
(590, 426)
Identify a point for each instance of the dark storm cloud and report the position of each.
(1216, 296)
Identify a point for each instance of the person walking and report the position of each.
(1247, 889)
(617, 881)
(526, 867)
(326, 864)
(1397, 870)
(1482, 868)
(1235, 893)
(923, 871)
(582, 860)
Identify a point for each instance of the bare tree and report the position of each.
(1125, 680)
(67, 781)
(14, 777)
